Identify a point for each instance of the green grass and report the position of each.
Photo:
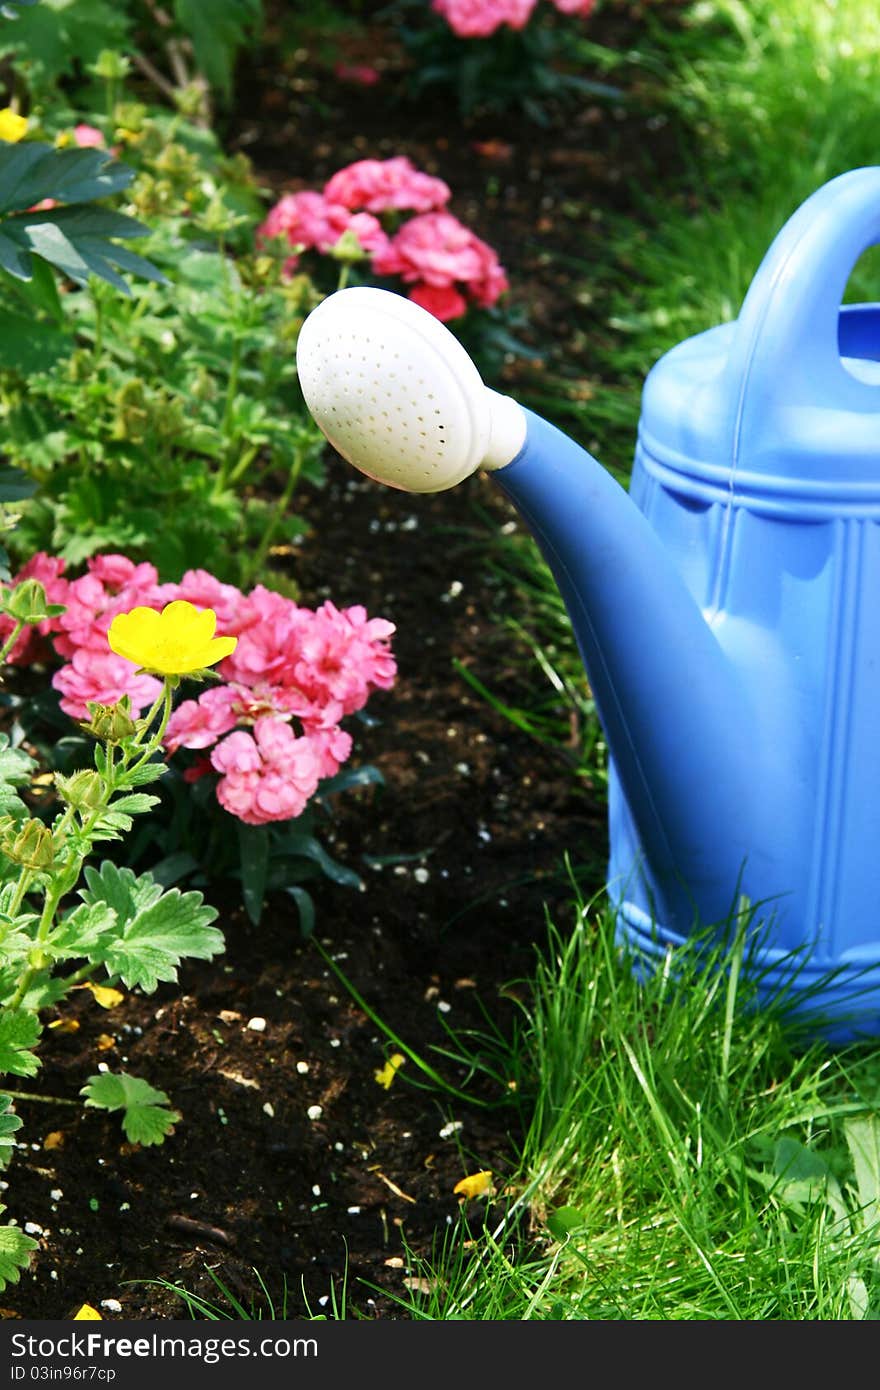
(688, 1156)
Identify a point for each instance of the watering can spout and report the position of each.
(397, 395)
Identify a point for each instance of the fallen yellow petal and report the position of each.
(105, 1042)
(87, 1314)
(475, 1184)
(54, 1139)
(385, 1075)
(106, 996)
(65, 1025)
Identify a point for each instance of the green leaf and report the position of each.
(253, 851)
(83, 932)
(33, 171)
(305, 907)
(16, 766)
(10, 11)
(156, 930)
(136, 804)
(14, 258)
(28, 346)
(9, 1124)
(311, 848)
(55, 37)
(217, 31)
(19, 1032)
(562, 1222)
(15, 1250)
(146, 1119)
(863, 1141)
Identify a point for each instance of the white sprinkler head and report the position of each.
(397, 395)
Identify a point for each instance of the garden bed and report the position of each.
(480, 817)
(291, 1159)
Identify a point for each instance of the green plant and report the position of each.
(124, 929)
(186, 52)
(529, 69)
(79, 241)
(186, 384)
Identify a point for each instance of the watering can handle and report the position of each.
(785, 348)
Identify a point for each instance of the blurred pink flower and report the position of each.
(477, 19)
(444, 302)
(437, 249)
(87, 136)
(361, 74)
(309, 221)
(584, 8)
(383, 185)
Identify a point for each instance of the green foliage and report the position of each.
(150, 931)
(56, 39)
(15, 1249)
(532, 69)
(185, 388)
(9, 1124)
(125, 927)
(19, 1033)
(64, 40)
(218, 31)
(192, 838)
(146, 1117)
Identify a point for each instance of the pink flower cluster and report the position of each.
(445, 265)
(273, 727)
(477, 19)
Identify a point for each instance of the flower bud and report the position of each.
(84, 791)
(27, 602)
(348, 248)
(31, 846)
(110, 723)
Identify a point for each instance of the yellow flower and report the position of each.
(385, 1075)
(87, 1314)
(474, 1185)
(175, 642)
(12, 126)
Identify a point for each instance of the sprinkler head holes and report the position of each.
(397, 395)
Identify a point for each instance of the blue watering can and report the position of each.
(727, 609)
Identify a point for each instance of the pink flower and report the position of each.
(444, 302)
(438, 250)
(114, 584)
(309, 221)
(268, 776)
(345, 655)
(199, 723)
(579, 7)
(381, 185)
(87, 136)
(361, 74)
(473, 19)
(104, 678)
(205, 591)
(48, 571)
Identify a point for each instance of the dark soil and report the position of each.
(478, 815)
